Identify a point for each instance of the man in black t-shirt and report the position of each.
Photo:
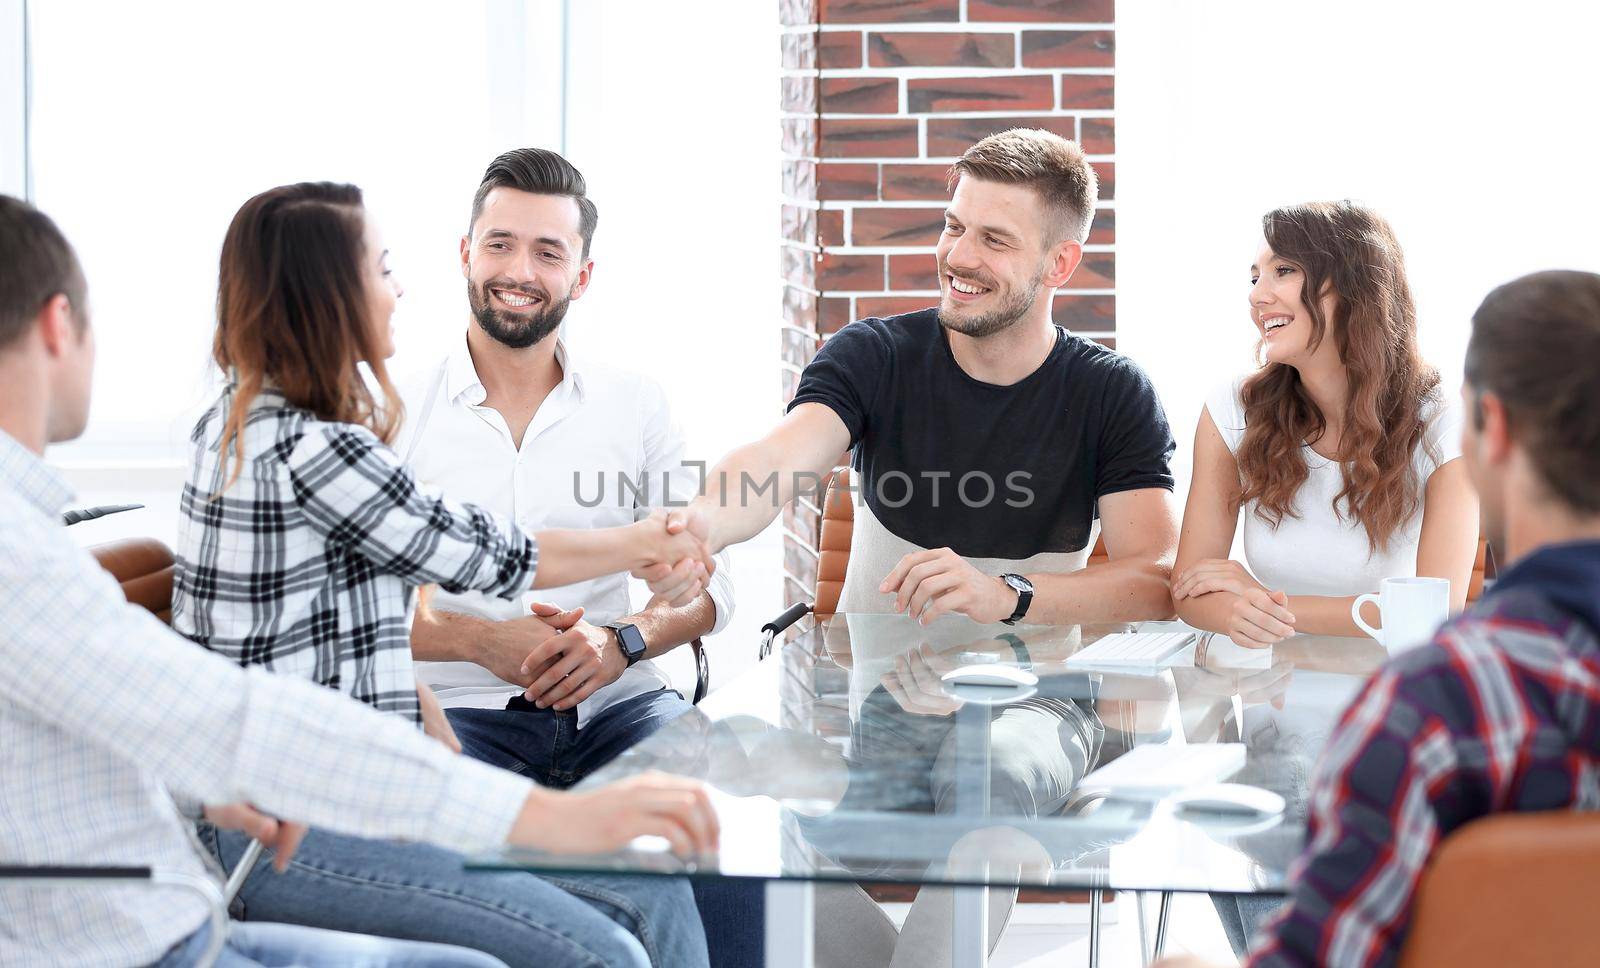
(990, 448)
(990, 445)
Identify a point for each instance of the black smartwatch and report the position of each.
(1024, 589)
(630, 638)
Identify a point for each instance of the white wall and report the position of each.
(672, 117)
(671, 114)
(1468, 125)
(152, 128)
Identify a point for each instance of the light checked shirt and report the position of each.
(102, 709)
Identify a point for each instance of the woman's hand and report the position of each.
(1260, 619)
(607, 819)
(434, 721)
(1213, 575)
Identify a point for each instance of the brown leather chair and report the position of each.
(1482, 569)
(838, 524)
(1510, 889)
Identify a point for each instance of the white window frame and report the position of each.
(16, 174)
(526, 60)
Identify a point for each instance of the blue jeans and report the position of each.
(1242, 916)
(286, 945)
(548, 747)
(422, 893)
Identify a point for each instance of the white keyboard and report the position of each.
(1134, 650)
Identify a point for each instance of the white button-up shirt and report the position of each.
(102, 708)
(602, 451)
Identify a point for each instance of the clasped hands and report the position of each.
(1259, 617)
(559, 659)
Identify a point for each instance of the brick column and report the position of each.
(878, 98)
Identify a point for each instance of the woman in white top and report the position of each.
(1341, 449)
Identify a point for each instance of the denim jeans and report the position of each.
(547, 746)
(1242, 915)
(422, 893)
(286, 945)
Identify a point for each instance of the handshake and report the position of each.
(674, 555)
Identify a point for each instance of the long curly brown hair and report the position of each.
(1374, 328)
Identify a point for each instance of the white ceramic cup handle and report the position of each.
(1355, 613)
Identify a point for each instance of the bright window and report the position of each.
(1465, 124)
(152, 128)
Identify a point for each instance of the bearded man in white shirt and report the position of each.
(511, 420)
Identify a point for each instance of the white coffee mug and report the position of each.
(1411, 610)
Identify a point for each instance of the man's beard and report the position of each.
(514, 330)
(996, 320)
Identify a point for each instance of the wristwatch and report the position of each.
(1024, 589)
(630, 638)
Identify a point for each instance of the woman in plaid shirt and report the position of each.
(302, 542)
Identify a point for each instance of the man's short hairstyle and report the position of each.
(36, 265)
(539, 172)
(1049, 164)
(1534, 344)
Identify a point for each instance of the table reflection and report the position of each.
(881, 770)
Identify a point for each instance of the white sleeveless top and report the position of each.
(1321, 552)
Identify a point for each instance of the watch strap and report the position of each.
(1024, 589)
(630, 638)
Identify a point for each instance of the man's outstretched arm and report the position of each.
(749, 486)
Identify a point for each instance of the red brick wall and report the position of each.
(878, 98)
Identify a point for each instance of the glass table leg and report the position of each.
(1144, 941)
(969, 928)
(1094, 928)
(1162, 913)
(791, 921)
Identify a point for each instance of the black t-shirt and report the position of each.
(944, 460)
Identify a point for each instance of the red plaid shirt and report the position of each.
(1500, 712)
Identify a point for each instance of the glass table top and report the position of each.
(849, 754)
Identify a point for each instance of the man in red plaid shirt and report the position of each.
(1501, 711)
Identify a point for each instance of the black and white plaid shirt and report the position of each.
(307, 563)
